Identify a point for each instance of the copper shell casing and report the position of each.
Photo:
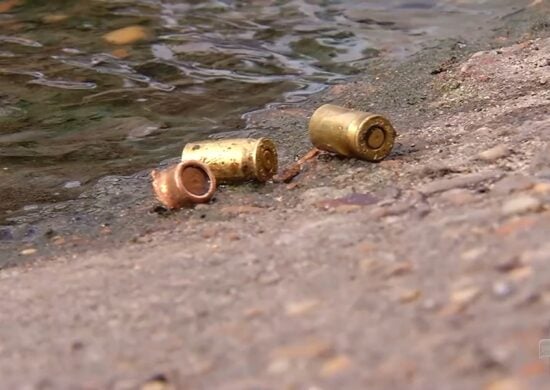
(235, 160)
(351, 133)
(184, 184)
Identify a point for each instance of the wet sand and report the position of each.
(91, 89)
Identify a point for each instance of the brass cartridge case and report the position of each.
(184, 184)
(351, 133)
(233, 160)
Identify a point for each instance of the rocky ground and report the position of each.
(426, 271)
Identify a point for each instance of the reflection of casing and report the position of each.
(351, 133)
(184, 184)
(234, 160)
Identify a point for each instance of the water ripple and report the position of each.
(63, 84)
(20, 41)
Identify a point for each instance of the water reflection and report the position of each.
(76, 104)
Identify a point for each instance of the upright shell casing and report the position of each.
(184, 184)
(351, 133)
(234, 160)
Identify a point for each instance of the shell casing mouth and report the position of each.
(196, 180)
(184, 184)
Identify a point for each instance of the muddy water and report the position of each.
(75, 107)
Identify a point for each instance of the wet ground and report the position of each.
(77, 103)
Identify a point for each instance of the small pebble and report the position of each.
(55, 18)
(520, 274)
(335, 366)
(299, 308)
(542, 188)
(430, 304)
(127, 35)
(156, 384)
(473, 254)
(278, 366)
(72, 184)
(28, 251)
(399, 269)
(505, 384)
(465, 296)
(410, 296)
(70, 50)
(120, 53)
(458, 196)
(502, 289)
(494, 153)
(304, 349)
(520, 205)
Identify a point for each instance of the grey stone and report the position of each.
(459, 182)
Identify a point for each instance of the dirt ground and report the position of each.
(428, 270)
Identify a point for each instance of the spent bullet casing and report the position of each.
(184, 184)
(234, 160)
(351, 133)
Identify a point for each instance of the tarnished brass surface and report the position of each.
(351, 133)
(233, 160)
(184, 184)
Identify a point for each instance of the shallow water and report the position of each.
(74, 107)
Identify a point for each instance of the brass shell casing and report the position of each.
(351, 133)
(184, 184)
(233, 160)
